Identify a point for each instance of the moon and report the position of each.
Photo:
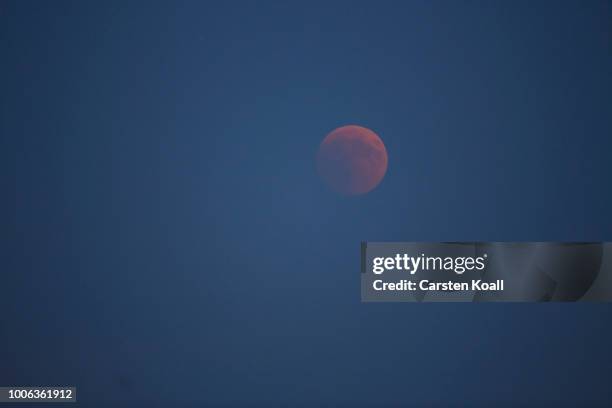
(352, 160)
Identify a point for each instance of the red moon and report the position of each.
(352, 160)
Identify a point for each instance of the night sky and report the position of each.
(169, 242)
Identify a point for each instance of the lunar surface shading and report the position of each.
(352, 160)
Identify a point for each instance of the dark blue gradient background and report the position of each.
(169, 243)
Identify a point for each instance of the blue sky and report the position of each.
(169, 228)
